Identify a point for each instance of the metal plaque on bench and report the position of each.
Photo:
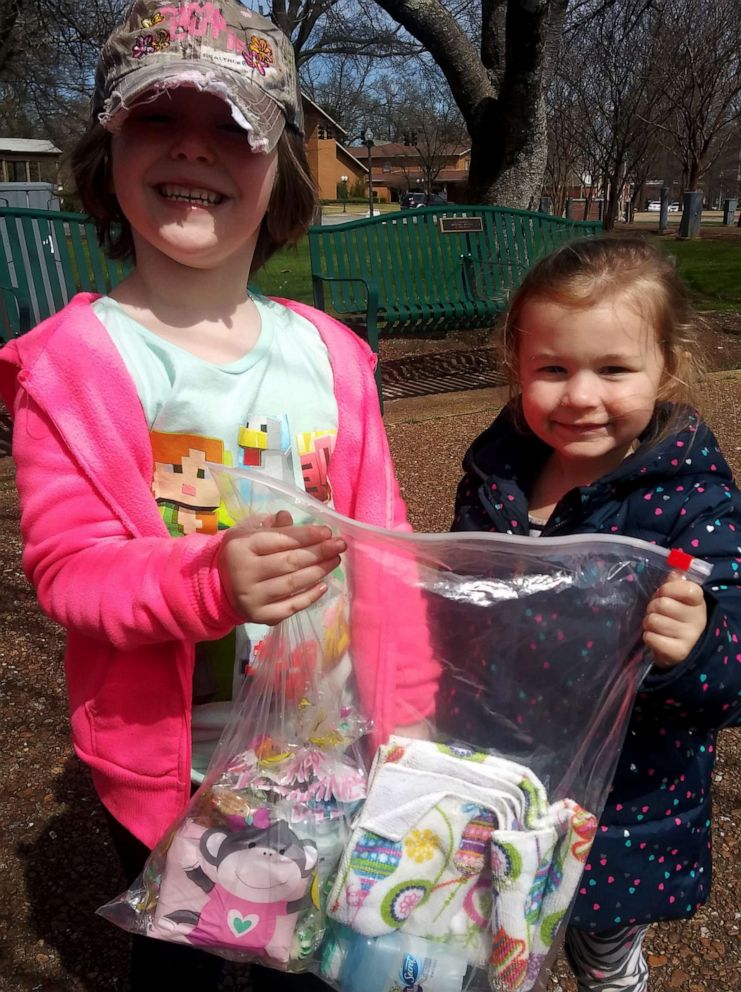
(461, 225)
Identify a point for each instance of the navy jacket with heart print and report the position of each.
(651, 858)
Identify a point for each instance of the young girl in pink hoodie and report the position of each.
(194, 167)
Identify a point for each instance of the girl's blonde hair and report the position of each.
(588, 272)
(293, 201)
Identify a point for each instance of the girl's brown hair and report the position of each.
(588, 272)
(292, 206)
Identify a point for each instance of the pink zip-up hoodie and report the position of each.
(134, 601)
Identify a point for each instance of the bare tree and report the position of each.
(48, 51)
(496, 55)
(345, 87)
(46, 79)
(423, 115)
(607, 66)
(498, 77)
(9, 13)
(353, 28)
(434, 146)
(565, 151)
(698, 69)
(388, 102)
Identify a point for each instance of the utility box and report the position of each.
(729, 212)
(39, 196)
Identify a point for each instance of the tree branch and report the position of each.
(452, 50)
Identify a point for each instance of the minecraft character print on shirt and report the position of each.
(315, 452)
(183, 486)
(265, 443)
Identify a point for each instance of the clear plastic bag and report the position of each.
(411, 779)
(240, 872)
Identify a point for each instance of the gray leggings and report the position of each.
(610, 961)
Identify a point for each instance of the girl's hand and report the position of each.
(271, 569)
(674, 621)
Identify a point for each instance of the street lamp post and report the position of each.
(368, 142)
(343, 181)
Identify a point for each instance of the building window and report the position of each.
(387, 167)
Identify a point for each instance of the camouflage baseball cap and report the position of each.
(221, 48)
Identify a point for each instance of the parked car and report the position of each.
(410, 200)
(416, 198)
(655, 205)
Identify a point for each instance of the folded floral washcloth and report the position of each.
(534, 878)
(462, 849)
(467, 765)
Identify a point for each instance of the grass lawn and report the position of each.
(711, 268)
(287, 274)
(359, 208)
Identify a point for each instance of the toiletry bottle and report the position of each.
(399, 962)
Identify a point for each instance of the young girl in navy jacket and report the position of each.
(600, 346)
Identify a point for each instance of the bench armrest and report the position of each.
(10, 296)
(371, 304)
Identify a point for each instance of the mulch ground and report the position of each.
(56, 863)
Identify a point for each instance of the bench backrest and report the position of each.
(410, 257)
(46, 256)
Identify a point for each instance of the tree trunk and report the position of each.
(9, 11)
(500, 90)
(510, 168)
(693, 173)
(612, 200)
(588, 197)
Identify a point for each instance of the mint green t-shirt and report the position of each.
(273, 410)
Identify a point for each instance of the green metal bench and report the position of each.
(432, 269)
(46, 256)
